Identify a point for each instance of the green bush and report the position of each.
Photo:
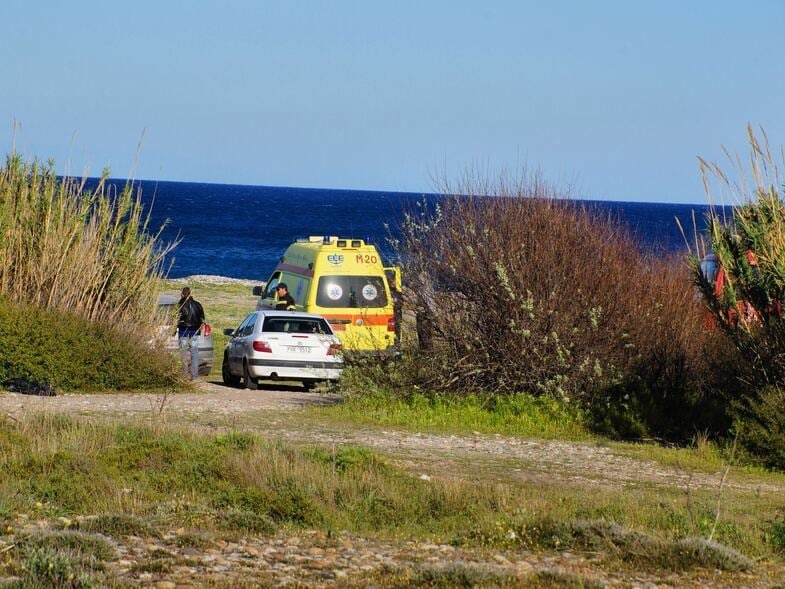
(748, 310)
(72, 353)
(747, 305)
(760, 424)
(673, 393)
(777, 535)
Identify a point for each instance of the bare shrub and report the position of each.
(760, 421)
(523, 291)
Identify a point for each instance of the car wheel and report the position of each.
(309, 385)
(228, 378)
(250, 383)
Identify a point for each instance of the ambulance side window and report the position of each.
(269, 292)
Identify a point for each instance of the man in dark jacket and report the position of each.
(285, 300)
(189, 326)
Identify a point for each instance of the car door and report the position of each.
(235, 351)
(247, 337)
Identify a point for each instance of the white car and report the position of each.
(167, 319)
(282, 345)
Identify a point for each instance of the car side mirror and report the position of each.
(257, 291)
(228, 331)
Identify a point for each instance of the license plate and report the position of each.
(302, 349)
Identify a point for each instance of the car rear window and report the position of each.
(351, 292)
(296, 325)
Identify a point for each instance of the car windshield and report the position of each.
(296, 325)
(351, 291)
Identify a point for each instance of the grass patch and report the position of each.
(637, 548)
(776, 536)
(117, 525)
(44, 567)
(704, 458)
(470, 577)
(76, 543)
(196, 540)
(557, 579)
(435, 577)
(514, 415)
(248, 521)
(65, 558)
(153, 565)
(347, 458)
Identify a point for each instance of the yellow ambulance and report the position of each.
(344, 280)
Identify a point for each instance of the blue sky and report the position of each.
(613, 98)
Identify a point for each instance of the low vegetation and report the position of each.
(98, 481)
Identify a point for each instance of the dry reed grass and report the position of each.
(63, 246)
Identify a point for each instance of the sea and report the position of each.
(240, 231)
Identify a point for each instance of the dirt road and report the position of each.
(273, 412)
